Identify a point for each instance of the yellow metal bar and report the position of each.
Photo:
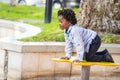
(61, 60)
(96, 63)
(85, 63)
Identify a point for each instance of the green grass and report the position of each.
(50, 32)
(20, 12)
(110, 38)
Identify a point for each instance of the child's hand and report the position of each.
(67, 58)
(76, 60)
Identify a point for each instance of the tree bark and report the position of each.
(100, 15)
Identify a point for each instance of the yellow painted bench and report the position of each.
(85, 66)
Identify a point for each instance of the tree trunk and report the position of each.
(100, 15)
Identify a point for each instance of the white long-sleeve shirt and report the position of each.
(79, 37)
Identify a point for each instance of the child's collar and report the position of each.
(67, 31)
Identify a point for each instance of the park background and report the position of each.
(20, 54)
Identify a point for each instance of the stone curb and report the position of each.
(29, 47)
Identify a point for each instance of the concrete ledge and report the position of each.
(29, 47)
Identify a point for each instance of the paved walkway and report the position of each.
(17, 30)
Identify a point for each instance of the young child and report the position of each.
(87, 42)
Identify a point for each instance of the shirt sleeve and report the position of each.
(68, 47)
(79, 44)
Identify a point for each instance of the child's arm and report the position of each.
(79, 44)
(68, 47)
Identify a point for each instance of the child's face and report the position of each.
(63, 23)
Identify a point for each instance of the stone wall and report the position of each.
(33, 61)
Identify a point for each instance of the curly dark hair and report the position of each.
(69, 15)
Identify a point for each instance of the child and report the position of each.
(87, 42)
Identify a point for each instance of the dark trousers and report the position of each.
(92, 53)
(94, 56)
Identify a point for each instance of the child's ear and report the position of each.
(69, 23)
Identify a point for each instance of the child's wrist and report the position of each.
(79, 59)
(68, 55)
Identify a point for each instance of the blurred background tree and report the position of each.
(100, 15)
